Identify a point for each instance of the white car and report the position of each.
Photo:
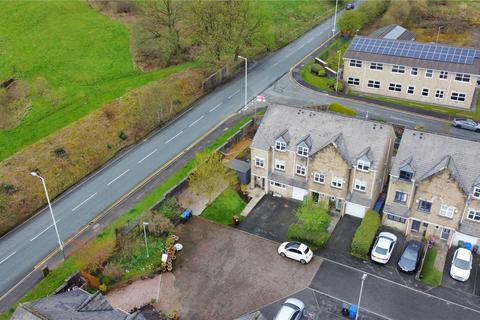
(461, 264)
(383, 248)
(296, 251)
(292, 309)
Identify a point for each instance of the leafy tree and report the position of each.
(210, 175)
(95, 254)
(314, 216)
(349, 23)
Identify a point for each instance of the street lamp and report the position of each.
(438, 33)
(364, 276)
(145, 235)
(33, 173)
(246, 81)
(335, 18)
(338, 71)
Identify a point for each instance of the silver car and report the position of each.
(466, 124)
(292, 309)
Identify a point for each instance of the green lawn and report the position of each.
(84, 55)
(224, 207)
(324, 83)
(429, 274)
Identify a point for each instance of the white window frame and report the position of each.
(363, 165)
(280, 146)
(427, 92)
(396, 68)
(360, 185)
(458, 95)
(429, 73)
(446, 211)
(472, 214)
(300, 170)
(462, 77)
(376, 66)
(412, 72)
(443, 75)
(374, 84)
(337, 182)
(395, 87)
(476, 193)
(279, 164)
(403, 199)
(259, 162)
(277, 184)
(319, 178)
(413, 90)
(353, 81)
(302, 151)
(440, 92)
(355, 63)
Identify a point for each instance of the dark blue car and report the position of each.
(411, 256)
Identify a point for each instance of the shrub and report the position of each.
(60, 152)
(365, 234)
(322, 73)
(112, 271)
(339, 108)
(300, 233)
(158, 224)
(170, 208)
(316, 68)
(94, 254)
(8, 188)
(340, 86)
(122, 135)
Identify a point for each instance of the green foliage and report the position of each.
(429, 274)
(322, 73)
(316, 68)
(313, 223)
(324, 83)
(340, 108)
(365, 14)
(170, 208)
(224, 207)
(349, 22)
(365, 234)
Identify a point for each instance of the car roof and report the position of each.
(293, 245)
(464, 254)
(388, 235)
(302, 247)
(414, 244)
(384, 242)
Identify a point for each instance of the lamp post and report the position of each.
(246, 81)
(338, 71)
(335, 18)
(364, 276)
(145, 235)
(438, 33)
(33, 173)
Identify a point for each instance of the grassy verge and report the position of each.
(439, 109)
(57, 276)
(224, 207)
(340, 108)
(323, 83)
(429, 274)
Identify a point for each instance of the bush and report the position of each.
(122, 135)
(112, 271)
(340, 86)
(339, 108)
(316, 68)
(170, 208)
(365, 234)
(298, 232)
(322, 73)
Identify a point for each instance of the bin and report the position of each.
(345, 309)
(352, 311)
(467, 246)
(187, 214)
(236, 220)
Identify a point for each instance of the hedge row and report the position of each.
(297, 232)
(365, 234)
(340, 108)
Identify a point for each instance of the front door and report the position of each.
(315, 196)
(415, 226)
(445, 234)
(338, 204)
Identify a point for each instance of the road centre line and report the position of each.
(230, 96)
(83, 202)
(6, 258)
(401, 119)
(174, 137)
(193, 123)
(44, 230)
(148, 155)
(118, 177)
(214, 108)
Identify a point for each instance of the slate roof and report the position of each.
(473, 69)
(393, 31)
(76, 304)
(428, 153)
(352, 137)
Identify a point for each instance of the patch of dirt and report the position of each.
(237, 148)
(14, 105)
(196, 203)
(137, 294)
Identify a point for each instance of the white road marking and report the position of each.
(193, 123)
(148, 155)
(214, 108)
(44, 230)
(83, 202)
(276, 63)
(174, 137)
(5, 259)
(400, 119)
(118, 177)
(230, 96)
(303, 45)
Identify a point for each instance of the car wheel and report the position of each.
(458, 126)
(303, 261)
(477, 130)
(282, 254)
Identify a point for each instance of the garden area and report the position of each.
(364, 235)
(313, 221)
(429, 274)
(225, 207)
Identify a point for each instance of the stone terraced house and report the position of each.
(434, 188)
(296, 152)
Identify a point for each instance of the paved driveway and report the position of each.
(223, 273)
(472, 286)
(271, 218)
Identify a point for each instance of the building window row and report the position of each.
(400, 197)
(319, 177)
(463, 77)
(443, 74)
(474, 215)
(360, 185)
(425, 92)
(374, 84)
(353, 81)
(395, 87)
(429, 73)
(476, 192)
(259, 162)
(302, 151)
(337, 182)
(446, 211)
(398, 69)
(363, 165)
(414, 71)
(376, 66)
(280, 146)
(458, 96)
(424, 206)
(355, 63)
(277, 184)
(396, 218)
(301, 170)
(279, 165)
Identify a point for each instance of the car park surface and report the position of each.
(472, 285)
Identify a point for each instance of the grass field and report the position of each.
(84, 56)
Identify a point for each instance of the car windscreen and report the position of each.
(381, 251)
(462, 264)
(306, 250)
(410, 254)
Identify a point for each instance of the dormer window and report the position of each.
(302, 151)
(363, 165)
(476, 192)
(406, 175)
(280, 146)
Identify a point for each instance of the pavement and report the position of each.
(26, 246)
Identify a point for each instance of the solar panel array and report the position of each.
(417, 50)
